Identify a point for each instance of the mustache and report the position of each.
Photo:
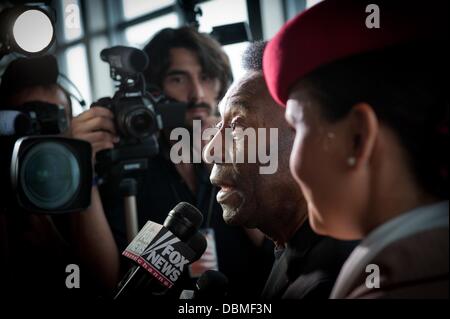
(203, 105)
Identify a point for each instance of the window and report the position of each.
(310, 3)
(73, 60)
(213, 15)
(77, 72)
(102, 83)
(219, 12)
(139, 35)
(87, 27)
(235, 52)
(135, 8)
(73, 28)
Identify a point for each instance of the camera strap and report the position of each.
(66, 84)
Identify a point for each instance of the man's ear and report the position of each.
(365, 127)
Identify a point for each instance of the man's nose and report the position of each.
(214, 152)
(198, 91)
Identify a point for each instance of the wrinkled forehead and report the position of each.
(243, 95)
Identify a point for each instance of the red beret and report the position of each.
(336, 29)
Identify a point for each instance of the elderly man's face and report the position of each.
(247, 197)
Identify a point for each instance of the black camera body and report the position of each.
(34, 118)
(139, 115)
(42, 173)
(135, 117)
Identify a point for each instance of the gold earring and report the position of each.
(351, 161)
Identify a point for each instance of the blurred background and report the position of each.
(84, 28)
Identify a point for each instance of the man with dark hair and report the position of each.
(306, 264)
(170, 44)
(51, 243)
(187, 67)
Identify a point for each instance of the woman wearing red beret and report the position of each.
(371, 147)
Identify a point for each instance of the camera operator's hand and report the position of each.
(96, 126)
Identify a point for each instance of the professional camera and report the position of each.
(43, 173)
(26, 29)
(33, 118)
(133, 109)
(139, 115)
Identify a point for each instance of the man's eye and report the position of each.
(205, 78)
(237, 122)
(176, 79)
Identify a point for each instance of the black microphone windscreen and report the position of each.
(189, 212)
(198, 244)
(212, 280)
(184, 220)
(211, 285)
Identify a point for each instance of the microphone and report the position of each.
(14, 123)
(211, 286)
(162, 253)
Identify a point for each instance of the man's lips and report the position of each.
(227, 190)
(225, 193)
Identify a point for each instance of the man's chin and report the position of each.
(235, 216)
(231, 216)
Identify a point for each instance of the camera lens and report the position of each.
(50, 175)
(140, 123)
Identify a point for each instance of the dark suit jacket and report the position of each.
(307, 267)
(411, 254)
(413, 267)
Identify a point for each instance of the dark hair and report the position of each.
(405, 87)
(26, 73)
(253, 56)
(212, 58)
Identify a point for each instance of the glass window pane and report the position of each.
(77, 72)
(103, 85)
(73, 28)
(96, 15)
(213, 15)
(235, 53)
(135, 8)
(220, 12)
(310, 3)
(138, 35)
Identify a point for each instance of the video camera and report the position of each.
(26, 29)
(139, 115)
(33, 118)
(43, 173)
(40, 171)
